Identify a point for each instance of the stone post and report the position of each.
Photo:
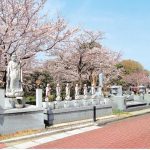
(118, 103)
(147, 98)
(38, 97)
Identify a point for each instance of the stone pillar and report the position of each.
(147, 98)
(118, 102)
(38, 97)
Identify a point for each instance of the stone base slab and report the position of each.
(6, 103)
(28, 118)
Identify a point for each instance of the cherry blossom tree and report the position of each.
(83, 59)
(137, 78)
(24, 31)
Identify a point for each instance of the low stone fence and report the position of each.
(75, 110)
(13, 120)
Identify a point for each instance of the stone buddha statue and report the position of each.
(14, 78)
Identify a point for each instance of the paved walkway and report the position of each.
(129, 133)
(39, 141)
(2, 145)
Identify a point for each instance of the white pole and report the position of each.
(38, 97)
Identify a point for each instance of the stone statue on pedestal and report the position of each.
(67, 92)
(14, 78)
(85, 91)
(48, 92)
(76, 91)
(101, 83)
(93, 91)
(58, 92)
(101, 79)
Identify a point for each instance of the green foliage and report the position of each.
(44, 78)
(131, 66)
(51, 98)
(120, 112)
(30, 98)
(119, 65)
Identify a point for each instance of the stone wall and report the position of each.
(57, 116)
(14, 120)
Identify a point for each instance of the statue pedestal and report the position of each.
(93, 96)
(77, 97)
(68, 98)
(19, 102)
(58, 98)
(9, 103)
(6, 103)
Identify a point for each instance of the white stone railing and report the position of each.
(77, 103)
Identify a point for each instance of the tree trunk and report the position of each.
(80, 80)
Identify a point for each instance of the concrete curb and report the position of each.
(36, 142)
(45, 133)
(118, 118)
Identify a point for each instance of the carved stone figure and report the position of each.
(76, 91)
(58, 92)
(48, 92)
(67, 92)
(85, 91)
(14, 78)
(101, 79)
(101, 84)
(93, 90)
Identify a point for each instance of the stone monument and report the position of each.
(117, 98)
(142, 89)
(85, 91)
(58, 92)
(14, 78)
(48, 92)
(76, 91)
(101, 83)
(67, 92)
(93, 91)
(14, 81)
(116, 90)
(14, 119)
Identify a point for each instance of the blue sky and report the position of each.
(125, 23)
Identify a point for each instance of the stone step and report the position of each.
(135, 104)
(137, 108)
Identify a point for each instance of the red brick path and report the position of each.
(2, 145)
(129, 133)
